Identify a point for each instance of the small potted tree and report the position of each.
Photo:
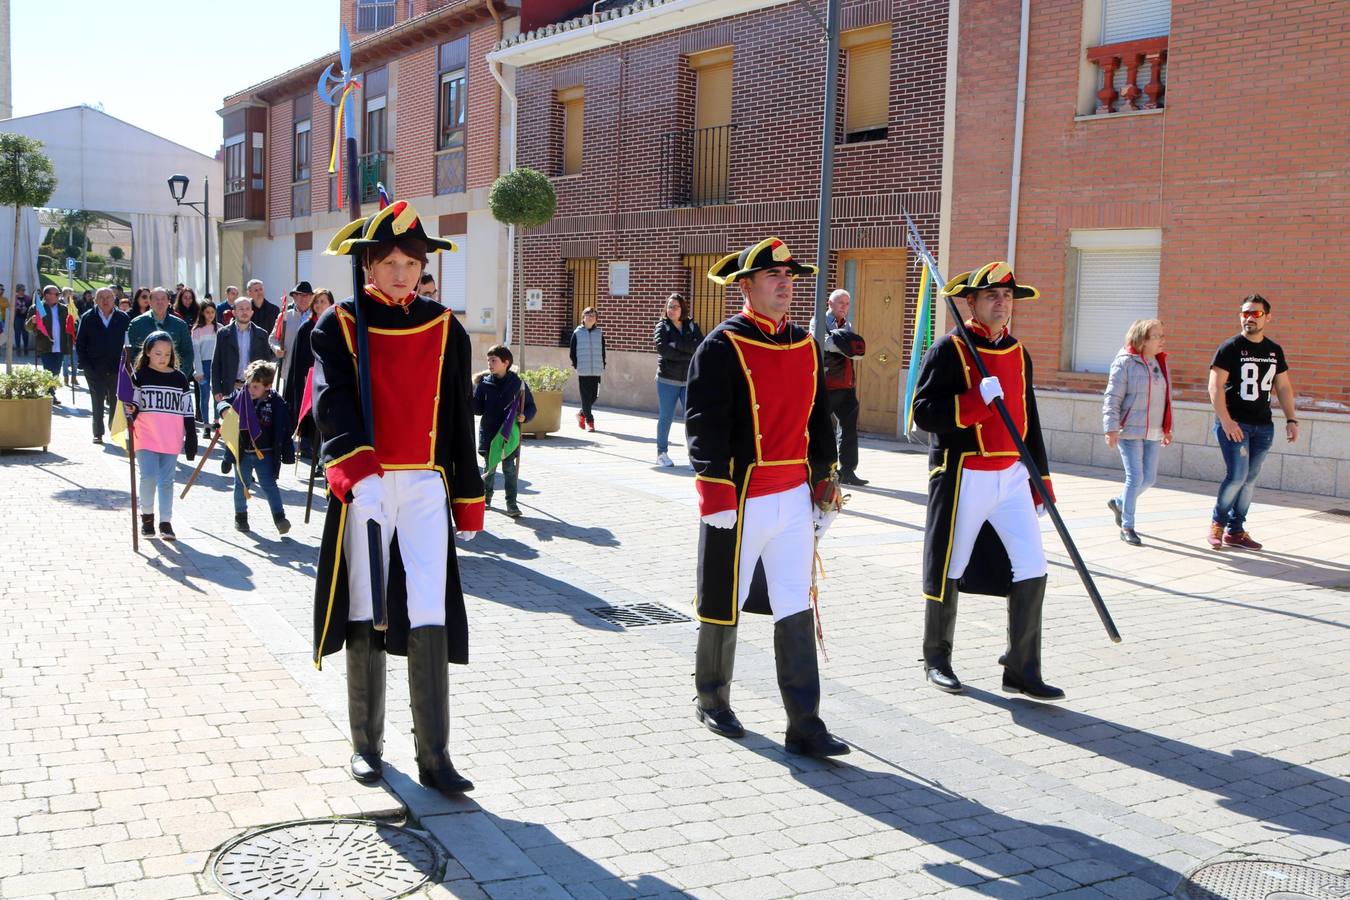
(26, 407)
(521, 198)
(27, 178)
(546, 385)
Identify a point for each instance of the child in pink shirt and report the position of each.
(162, 420)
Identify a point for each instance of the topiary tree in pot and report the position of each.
(522, 197)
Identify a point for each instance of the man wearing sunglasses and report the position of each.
(1245, 368)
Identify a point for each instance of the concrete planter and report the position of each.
(547, 413)
(25, 423)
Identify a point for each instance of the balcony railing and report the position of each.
(372, 16)
(450, 171)
(695, 163)
(300, 199)
(375, 168)
(234, 206)
(1120, 64)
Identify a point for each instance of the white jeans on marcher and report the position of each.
(1003, 499)
(416, 508)
(777, 528)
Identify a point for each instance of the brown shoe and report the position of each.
(1240, 539)
(1215, 536)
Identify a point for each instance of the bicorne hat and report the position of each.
(991, 275)
(395, 221)
(767, 254)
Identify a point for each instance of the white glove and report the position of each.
(822, 520)
(368, 502)
(1042, 510)
(466, 536)
(989, 389)
(724, 519)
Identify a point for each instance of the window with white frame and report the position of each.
(451, 282)
(1115, 282)
(1110, 22)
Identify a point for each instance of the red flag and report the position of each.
(40, 320)
(306, 400)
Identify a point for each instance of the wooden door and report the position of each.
(876, 280)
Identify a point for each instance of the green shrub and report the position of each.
(522, 197)
(546, 378)
(27, 383)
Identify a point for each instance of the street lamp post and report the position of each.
(178, 185)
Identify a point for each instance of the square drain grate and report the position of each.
(638, 614)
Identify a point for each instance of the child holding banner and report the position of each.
(505, 403)
(256, 426)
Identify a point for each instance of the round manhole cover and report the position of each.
(330, 858)
(1263, 879)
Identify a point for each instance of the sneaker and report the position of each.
(512, 510)
(581, 421)
(1129, 536)
(1215, 536)
(147, 525)
(590, 425)
(1240, 539)
(283, 524)
(166, 532)
(241, 521)
(664, 460)
(1114, 505)
(98, 439)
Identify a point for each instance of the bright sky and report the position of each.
(162, 65)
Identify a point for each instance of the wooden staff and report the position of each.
(201, 462)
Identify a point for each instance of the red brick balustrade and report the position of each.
(1131, 55)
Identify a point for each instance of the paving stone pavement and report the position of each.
(154, 705)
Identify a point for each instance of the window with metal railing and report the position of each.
(452, 104)
(695, 166)
(372, 15)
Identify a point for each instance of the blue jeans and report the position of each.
(156, 471)
(205, 408)
(1243, 460)
(1140, 458)
(668, 395)
(510, 478)
(249, 468)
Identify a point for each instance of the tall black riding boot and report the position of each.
(714, 660)
(429, 690)
(794, 651)
(1022, 662)
(939, 628)
(365, 700)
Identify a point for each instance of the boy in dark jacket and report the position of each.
(274, 442)
(494, 393)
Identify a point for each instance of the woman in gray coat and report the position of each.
(1137, 416)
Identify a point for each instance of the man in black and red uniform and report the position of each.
(982, 532)
(762, 448)
(412, 471)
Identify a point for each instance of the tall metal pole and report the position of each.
(827, 164)
(206, 230)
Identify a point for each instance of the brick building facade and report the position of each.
(1234, 182)
(429, 124)
(667, 182)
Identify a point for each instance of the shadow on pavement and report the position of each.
(1303, 569)
(223, 571)
(547, 526)
(1004, 853)
(499, 580)
(1258, 787)
(95, 498)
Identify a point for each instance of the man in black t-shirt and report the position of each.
(1244, 370)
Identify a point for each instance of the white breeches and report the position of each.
(416, 508)
(1003, 499)
(777, 529)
